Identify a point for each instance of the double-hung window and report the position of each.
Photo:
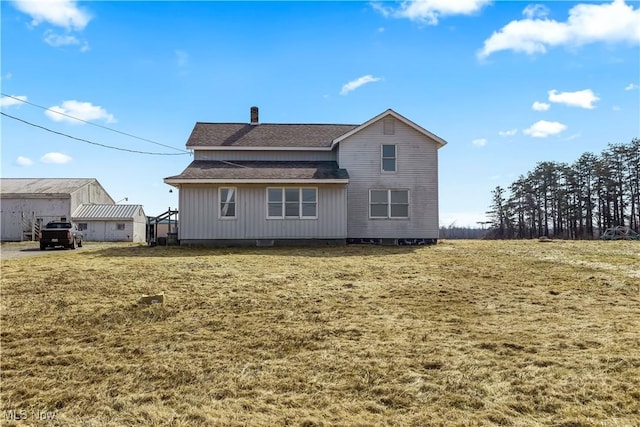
(389, 157)
(292, 202)
(227, 197)
(388, 204)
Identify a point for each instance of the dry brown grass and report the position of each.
(463, 333)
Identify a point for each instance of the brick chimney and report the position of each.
(254, 115)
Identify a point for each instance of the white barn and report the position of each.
(111, 223)
(27, 203)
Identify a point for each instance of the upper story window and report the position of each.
(389, 157)
(292, 202)
(227, 197)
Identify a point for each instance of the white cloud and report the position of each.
(510, 132)
(587, 23)
(61, 13)
(535, 11)
(55, 158)
(360, 81)
(57, 40)
(479, 142)
(631, 86)
(540, 106)
(81, 110)
(9, 101)
(582, 98)
(429, 11)
(23, 161)
(381, 9)
(543, 129)
(182, 58)
(6, 76)
(616, 108)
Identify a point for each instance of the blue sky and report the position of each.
(507, 84)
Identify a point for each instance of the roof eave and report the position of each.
(101, 218)
(35, 195)
(176, 182)
(248, 148)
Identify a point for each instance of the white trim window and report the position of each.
(292, 202)
(227, 200)
(388, 204)
(388, 157)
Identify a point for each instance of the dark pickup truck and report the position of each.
(63, 234)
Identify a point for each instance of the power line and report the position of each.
(91, 142)
(93, 124)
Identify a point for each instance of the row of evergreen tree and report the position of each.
(576, 201)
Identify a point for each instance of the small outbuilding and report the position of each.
(111, 223)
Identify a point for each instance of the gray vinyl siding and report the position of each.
(265, 155)
(417, 171)
(199, 215)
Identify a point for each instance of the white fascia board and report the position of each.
(441, 142)
(178, 181)
(227, 148)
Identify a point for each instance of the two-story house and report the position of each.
(264, 184)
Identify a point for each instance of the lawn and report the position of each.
(519, 333)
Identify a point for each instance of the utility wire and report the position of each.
(91, 142)
(93, 124)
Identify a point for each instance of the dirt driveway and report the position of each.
(13, 250)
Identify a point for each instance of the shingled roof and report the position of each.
(260, 171)
(265, 135)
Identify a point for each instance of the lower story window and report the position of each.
(227, 202)
(120, 226)
(388, 203)
(82, 226)
(292, 202)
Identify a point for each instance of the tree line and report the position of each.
(576, 201)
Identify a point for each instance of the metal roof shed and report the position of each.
(111, 223)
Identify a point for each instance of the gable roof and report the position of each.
(441, 142)
(216, 171)
(101, 211)
(42, 186)
(220, 136)
(270, 136)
